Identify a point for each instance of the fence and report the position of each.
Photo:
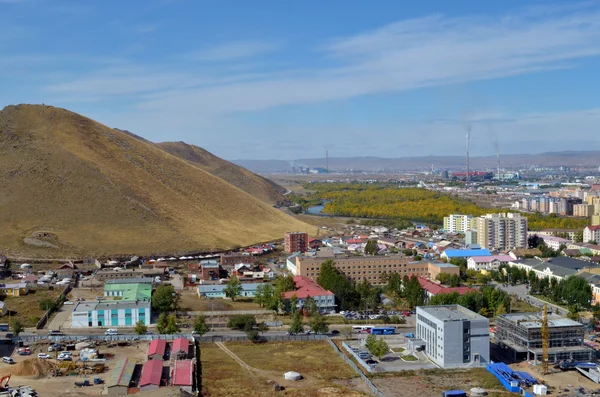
(226, 313)
(365, 379)
(59, 300)
(271, 338)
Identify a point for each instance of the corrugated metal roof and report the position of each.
(183, 372)
(121, 373)
(151, 373)
(180, 344)
(157, 346)
(458, 253)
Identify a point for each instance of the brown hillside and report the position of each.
(249, 182)
(71, 186)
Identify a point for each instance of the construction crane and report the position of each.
(545, 337)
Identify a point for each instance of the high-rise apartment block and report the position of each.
(295, 242)
(583, 210)
(502, 231)
(456, 223)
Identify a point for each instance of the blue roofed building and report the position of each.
(218, 291)
(458, 253)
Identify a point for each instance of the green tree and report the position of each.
(346, 332)
(331, 279)
(318, 324)
(284, 284)
(578, 237)
(200, 326)
(264, 295)
(573, 313)
(46, 304)
(377, 346)
(253, 335)
(162, 323)
(17, 327)
(165, 299)
(369, 296)
(310, 307)
(172, 327)
(242, 322)
(140, 328)
(395, 319)
(233, 289)
(500, 309)
(262, 327)
(371, 248)
(415, 294)
(296, 325)
(293, 304)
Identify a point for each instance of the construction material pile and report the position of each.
(33, 367)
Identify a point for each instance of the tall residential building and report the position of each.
(591, 233)
(596, 220)
(454, 336)
(295, 242)
(456, 223)
(583, 210)
(502, 231)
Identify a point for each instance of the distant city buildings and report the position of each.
(295, 242)
(502, 231)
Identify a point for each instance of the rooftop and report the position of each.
(132, 280)
(489, 259)
(157, 346)
(534, 320)
(181, 344)
(88, 306)
(182, 373)
(458, 253)
(436, 289)
(151, 373)
(450, 313)
(440, 264)
(306, 287)
(122, 373)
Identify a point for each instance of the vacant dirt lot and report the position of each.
(265, 364)
(26, 308)
(191, 302)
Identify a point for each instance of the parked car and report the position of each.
(68, 303)
(64, 358)
(335, 332)
(66, 353)
(43, 355)
(100, 298)
(8, 360)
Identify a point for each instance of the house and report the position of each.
(306, 287)
(387, 241)
(218, 291)
(18, 289)
(555, 242)
(464, 254)
(235, 258)
(183, 375)
(119, 379)
(572, 252)
(488, 262)
(559, 267)
(432, 289)
(110, 314)
(151, 375)
(157, 349)
(521, 253)
(180, 348)
(130, 289)
(314, 243)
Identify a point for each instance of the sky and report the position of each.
(290, 79)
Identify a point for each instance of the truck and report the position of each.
(82, 384)
(454, 393)
(410, 335)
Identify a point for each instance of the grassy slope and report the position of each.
(256, 185)
(102, 192)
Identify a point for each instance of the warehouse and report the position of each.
(157, 349)
(522, 333)
(454, 337)
(151, 375)
(120, 377)
(180, 349)
(183, 374)
(110, 314)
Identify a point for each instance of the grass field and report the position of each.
(191, 302)
(322, 369)
(521, 306)
(26, 308)
(409, 357)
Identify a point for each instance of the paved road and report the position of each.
(523, 294)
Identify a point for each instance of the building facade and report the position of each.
(306, 287)
(583, 210)
(456, 223)
(133, 289)
(235, 258)
(110, 314)
(502, 231)
(591, 233)
(454, 336)
(218, 291)
(295, 242)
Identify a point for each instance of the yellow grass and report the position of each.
(191, 302)
(26, 308)
(99, 191)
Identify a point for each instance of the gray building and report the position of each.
(454, 336)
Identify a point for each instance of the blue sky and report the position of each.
(287, 80)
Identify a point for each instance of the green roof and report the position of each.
(131, 292)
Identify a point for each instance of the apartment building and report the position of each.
(454, 336)
(591, 233)
(456, 223)
(502, 231)
(295, 242)
(369, 268)
(583, 210)
(595, 221)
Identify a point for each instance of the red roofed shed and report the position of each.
(183, 372)
(151, 375)
(180, 349)
(434, 289)
(157, 349)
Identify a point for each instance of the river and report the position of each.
(317, 209)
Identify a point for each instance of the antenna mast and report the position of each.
(327, 161)
(467, 178)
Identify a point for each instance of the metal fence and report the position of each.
(63, 296)
(365, 379)
(226, 313)
(270, 338)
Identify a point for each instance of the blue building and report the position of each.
(218, 291)
(457, 253)
(111, 314)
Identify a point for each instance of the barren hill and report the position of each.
(249, 182)
(72, 186)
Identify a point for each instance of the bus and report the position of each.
(383, 330)
(362, 328)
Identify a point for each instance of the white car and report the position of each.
(43, 355)
(65, 353)
(68, 303)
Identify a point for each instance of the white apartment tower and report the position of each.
(456, 223)
(502, 231)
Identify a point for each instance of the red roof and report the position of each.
(182, 373)
(181, 345)
(305, 287)
(436, 289)
(355, 241)
(157, 346)
(151, 373)
(596, 227)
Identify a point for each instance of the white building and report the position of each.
(456, 223)
(591, 233)
(555, 242)
(110, 314)
(488, 262)
(502, 231)
(454, 336)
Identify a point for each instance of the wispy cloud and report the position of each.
(234, 51)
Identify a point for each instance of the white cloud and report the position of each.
(234, 51)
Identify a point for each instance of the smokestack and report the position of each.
(498, 159)
(327, 161)
(468, 138)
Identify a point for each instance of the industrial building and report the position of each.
(151, 375)
(120, 377)
(131, 289)
(110, 314)
(522, 333)
(295, 242)
(453, 336)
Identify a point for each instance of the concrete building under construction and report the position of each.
(522, 333)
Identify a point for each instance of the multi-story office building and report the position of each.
(456, 223)
(295, 242)
(502, 231)
(369, 268)
(583, 210)
(454, 336)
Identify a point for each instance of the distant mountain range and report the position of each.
(549, 159)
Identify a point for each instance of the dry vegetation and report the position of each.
(316, 361)
(26, 308)
(256, 185)
(191, 302)
(92, 190)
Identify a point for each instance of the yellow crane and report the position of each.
(545, 337)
